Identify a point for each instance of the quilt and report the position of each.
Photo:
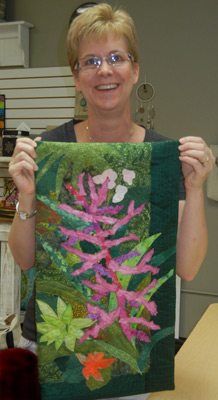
(105, 268)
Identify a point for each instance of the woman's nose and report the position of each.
(105, 68)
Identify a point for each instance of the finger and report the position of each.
(201, 168)
(21, 172)
(37, 139)
(199, 155)
(193, 139)
(188, 145)
(27, 140)
(196, 147)
(18, 167)
(26, 147)
(199, 151)
(192, 161)
(22, 160)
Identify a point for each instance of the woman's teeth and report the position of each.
(107, 87)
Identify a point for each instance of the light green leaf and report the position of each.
(45, 308)
(70, 342)
(67, 315)
(52, 321)
(42, 327)
(142, 247)
(79, 323)
(58, 342)
(61, 307)
(78, 333)
(50, 336)
(61, 328)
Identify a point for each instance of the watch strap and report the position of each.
(23, 214)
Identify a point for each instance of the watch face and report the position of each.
(23, 215)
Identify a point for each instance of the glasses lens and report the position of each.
(89, 63)
(119, 58)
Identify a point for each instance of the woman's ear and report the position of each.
(76, 80)
(136, 72)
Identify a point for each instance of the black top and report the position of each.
(66, 133)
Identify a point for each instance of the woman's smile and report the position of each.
(107, 87)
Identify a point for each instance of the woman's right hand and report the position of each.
(22, 165)
(22, 233)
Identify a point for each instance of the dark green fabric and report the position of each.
(91, 312)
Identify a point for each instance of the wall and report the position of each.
(178, 54)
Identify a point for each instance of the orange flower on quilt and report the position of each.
(92, 363)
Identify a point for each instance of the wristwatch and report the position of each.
(23, 214)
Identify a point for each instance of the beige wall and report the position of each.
(178, 54)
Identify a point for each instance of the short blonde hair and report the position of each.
(96, 23)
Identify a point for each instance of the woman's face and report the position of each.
(108, 87)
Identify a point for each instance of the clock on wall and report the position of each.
(80, 9)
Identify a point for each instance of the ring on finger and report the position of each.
(206, 161)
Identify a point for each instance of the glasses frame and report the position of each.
(99, 61)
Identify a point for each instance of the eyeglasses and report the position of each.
(117, 59)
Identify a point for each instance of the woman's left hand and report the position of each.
(197, 161)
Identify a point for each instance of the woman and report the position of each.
(103, 55)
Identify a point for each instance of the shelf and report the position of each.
(14, 44)
(5, 159)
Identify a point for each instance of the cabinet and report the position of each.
(14, 44)
(10, 275)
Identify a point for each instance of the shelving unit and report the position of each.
(10, 275)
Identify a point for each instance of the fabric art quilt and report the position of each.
(105, 268)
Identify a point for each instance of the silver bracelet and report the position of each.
(23, 214)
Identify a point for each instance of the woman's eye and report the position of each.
(91, 61)
(116, 58)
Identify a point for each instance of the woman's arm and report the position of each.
(22, 234)
(21, 238)
(192, 239)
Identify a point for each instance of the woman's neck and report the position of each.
(109, 131)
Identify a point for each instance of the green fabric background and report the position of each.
(157, 184)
